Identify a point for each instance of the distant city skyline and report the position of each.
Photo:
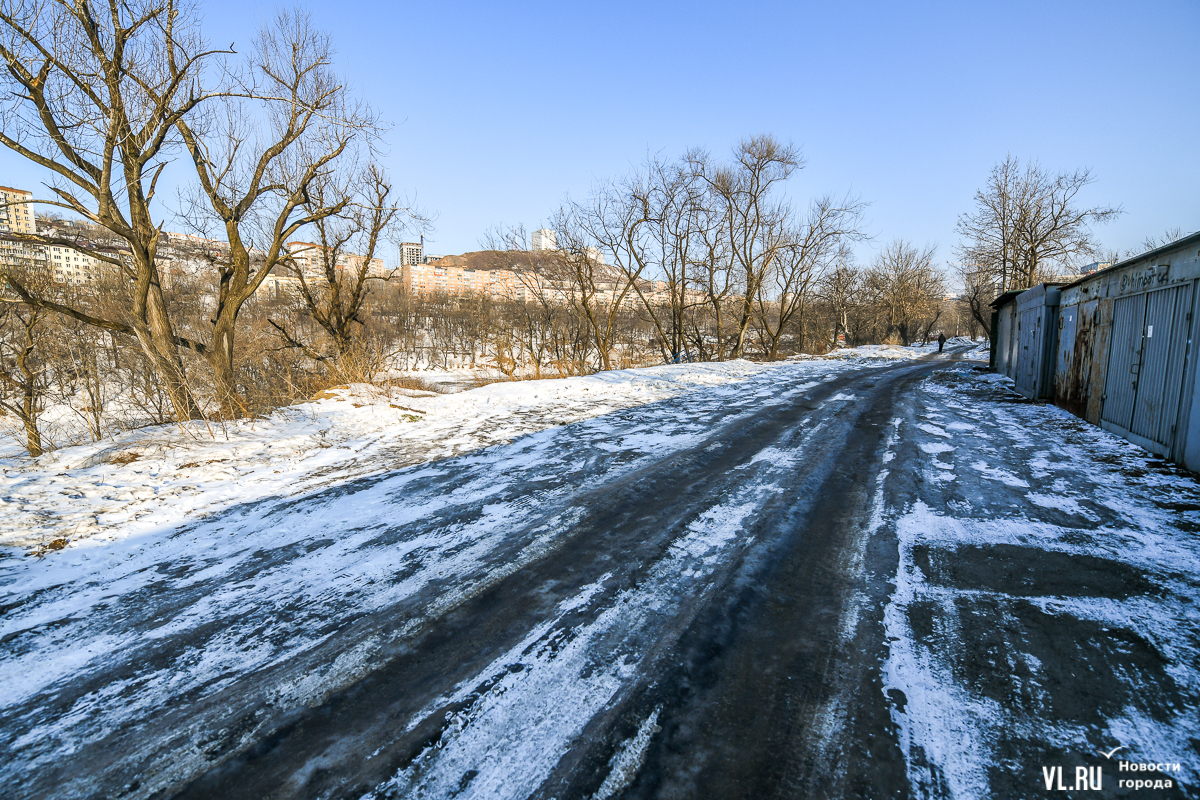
(907, 106)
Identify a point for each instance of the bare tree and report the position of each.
(23, 370)
(346, 252)
(702, 252)
(675, 245)
(258, 157)
(1027, 225)
(980, 288)
(819, 242)
(714, 270)
(105, 100)
(621, 219)
(840, 289)
(547, 323)
(94, 97)
(1154, 242)
(600, 290)
(753, 223)
(906, 289)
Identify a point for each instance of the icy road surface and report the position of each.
(821, 580)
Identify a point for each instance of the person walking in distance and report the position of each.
(941, 341)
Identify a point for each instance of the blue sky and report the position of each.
(500, 110)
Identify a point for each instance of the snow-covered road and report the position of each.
(686, 597)
(158, 655)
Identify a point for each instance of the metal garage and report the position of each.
(1004, 334)
(1143, 388)
(1117, 348)
(1037, 328)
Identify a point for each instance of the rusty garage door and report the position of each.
(1146, 364)
(1164, 346)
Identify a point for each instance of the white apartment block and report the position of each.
(72, 266)
(412, 253)
(67, 265)
(16, 212)
(543, 239)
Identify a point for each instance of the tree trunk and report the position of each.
(720, 330)
(740, 342)
(33, 437)
(773, 353)
(156, 337)
(220, 360)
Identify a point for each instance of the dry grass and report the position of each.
(43, 549)
(328, 393)
(379, 389)
(485, 380)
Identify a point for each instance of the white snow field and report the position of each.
(85, 494)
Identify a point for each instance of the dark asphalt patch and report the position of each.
(1016, 570)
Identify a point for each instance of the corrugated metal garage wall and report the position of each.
(1120, 387)
(1160, 380)
(1038, 327)
(1126, 352)
(1144, 390)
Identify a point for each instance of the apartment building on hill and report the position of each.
(500, 275)
(16, 216)
(68, 265)
(311, 260)
(71, 256)
(534, 276)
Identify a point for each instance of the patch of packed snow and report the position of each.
(1068, 505)
(1095, 502)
